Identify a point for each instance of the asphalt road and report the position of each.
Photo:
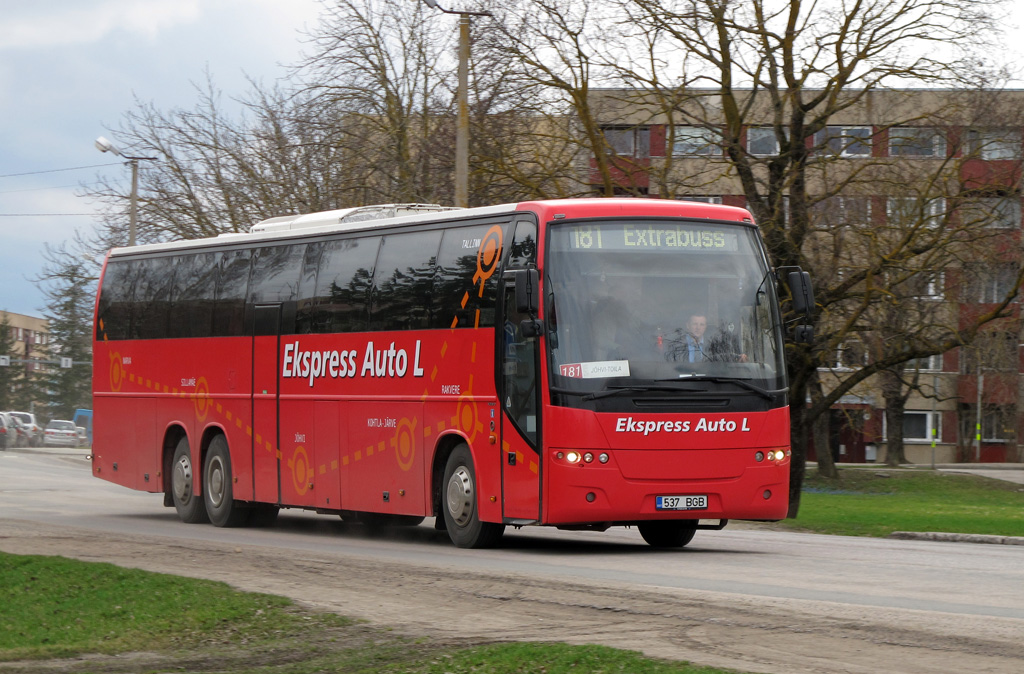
(747, 597)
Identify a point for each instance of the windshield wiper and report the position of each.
(633, 388)
(767, 394)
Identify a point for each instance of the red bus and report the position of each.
(578, 363)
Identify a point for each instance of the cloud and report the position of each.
(52, 24)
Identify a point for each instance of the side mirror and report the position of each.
(803, 295)
(527, 290)
(803, 334)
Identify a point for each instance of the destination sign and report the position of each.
(661, 236)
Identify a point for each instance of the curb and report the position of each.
(956, 538)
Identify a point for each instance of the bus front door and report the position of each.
(266, 461)
(520, 419)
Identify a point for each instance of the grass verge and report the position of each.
(874, 502)
(68, 616)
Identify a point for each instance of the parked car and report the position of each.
(28, 420)
(23, 437)
(8, 431)
(60, 433)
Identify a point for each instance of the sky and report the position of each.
(71, 69)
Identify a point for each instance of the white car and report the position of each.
(60, 433)
(28, 421)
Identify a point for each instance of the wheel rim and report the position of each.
(460, 496)
(215, 484)
(181, 479)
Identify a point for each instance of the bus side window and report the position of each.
(343, 284)
(465, 287)
(523, 252)
(152, 297)
(115, 306)
(519, 371)
(232, 283)
(402, 281)
(193, 294)
(275, 278)
(305, 302)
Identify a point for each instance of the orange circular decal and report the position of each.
(201, 397)
(488, 257)
(302, 471)
(116, 372)
(405, 443)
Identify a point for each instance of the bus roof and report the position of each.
(389, 215)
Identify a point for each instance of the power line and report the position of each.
(74, 168)
(55, 187)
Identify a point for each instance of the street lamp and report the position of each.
(462, 123)
(104, 145)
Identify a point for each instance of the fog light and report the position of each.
(759, 457)
(767, 494)
(573, 457)
(588, 457)
(603, 458)
(590, 497)
(771, 456)
(560, 455)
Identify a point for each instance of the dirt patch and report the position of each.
(423, 601)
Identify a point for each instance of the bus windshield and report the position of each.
(657, 303)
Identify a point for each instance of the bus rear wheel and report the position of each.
(668, 533)
(460, 504)
(223, 510)
(183, 480)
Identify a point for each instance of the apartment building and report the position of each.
(30, 336)
(938, 165)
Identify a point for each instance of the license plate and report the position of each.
(691, 502)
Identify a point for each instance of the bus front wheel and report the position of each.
(189, 505)
(223, 510)
(667, 533)
(460, 504)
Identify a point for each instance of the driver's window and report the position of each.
(519, 370)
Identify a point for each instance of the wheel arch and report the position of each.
(209, 433)
(173, 434)
(445, 445)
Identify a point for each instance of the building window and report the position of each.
(991, 352)
(997, 424)
(989, 283)
(696, 141)
(911, 211)
(762, 141)
(992, 212)
(924, 364)
(994, 143)
(844, 211)
(919, 426)
(633, 141)
(916, 142)
(844, 141)
(851, 355)
(703, 200)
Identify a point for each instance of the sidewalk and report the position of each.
(67, 451)
(1010, 472)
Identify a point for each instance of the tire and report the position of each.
(221, 507)
(183, 480)
(459, 503)
(668, 533)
